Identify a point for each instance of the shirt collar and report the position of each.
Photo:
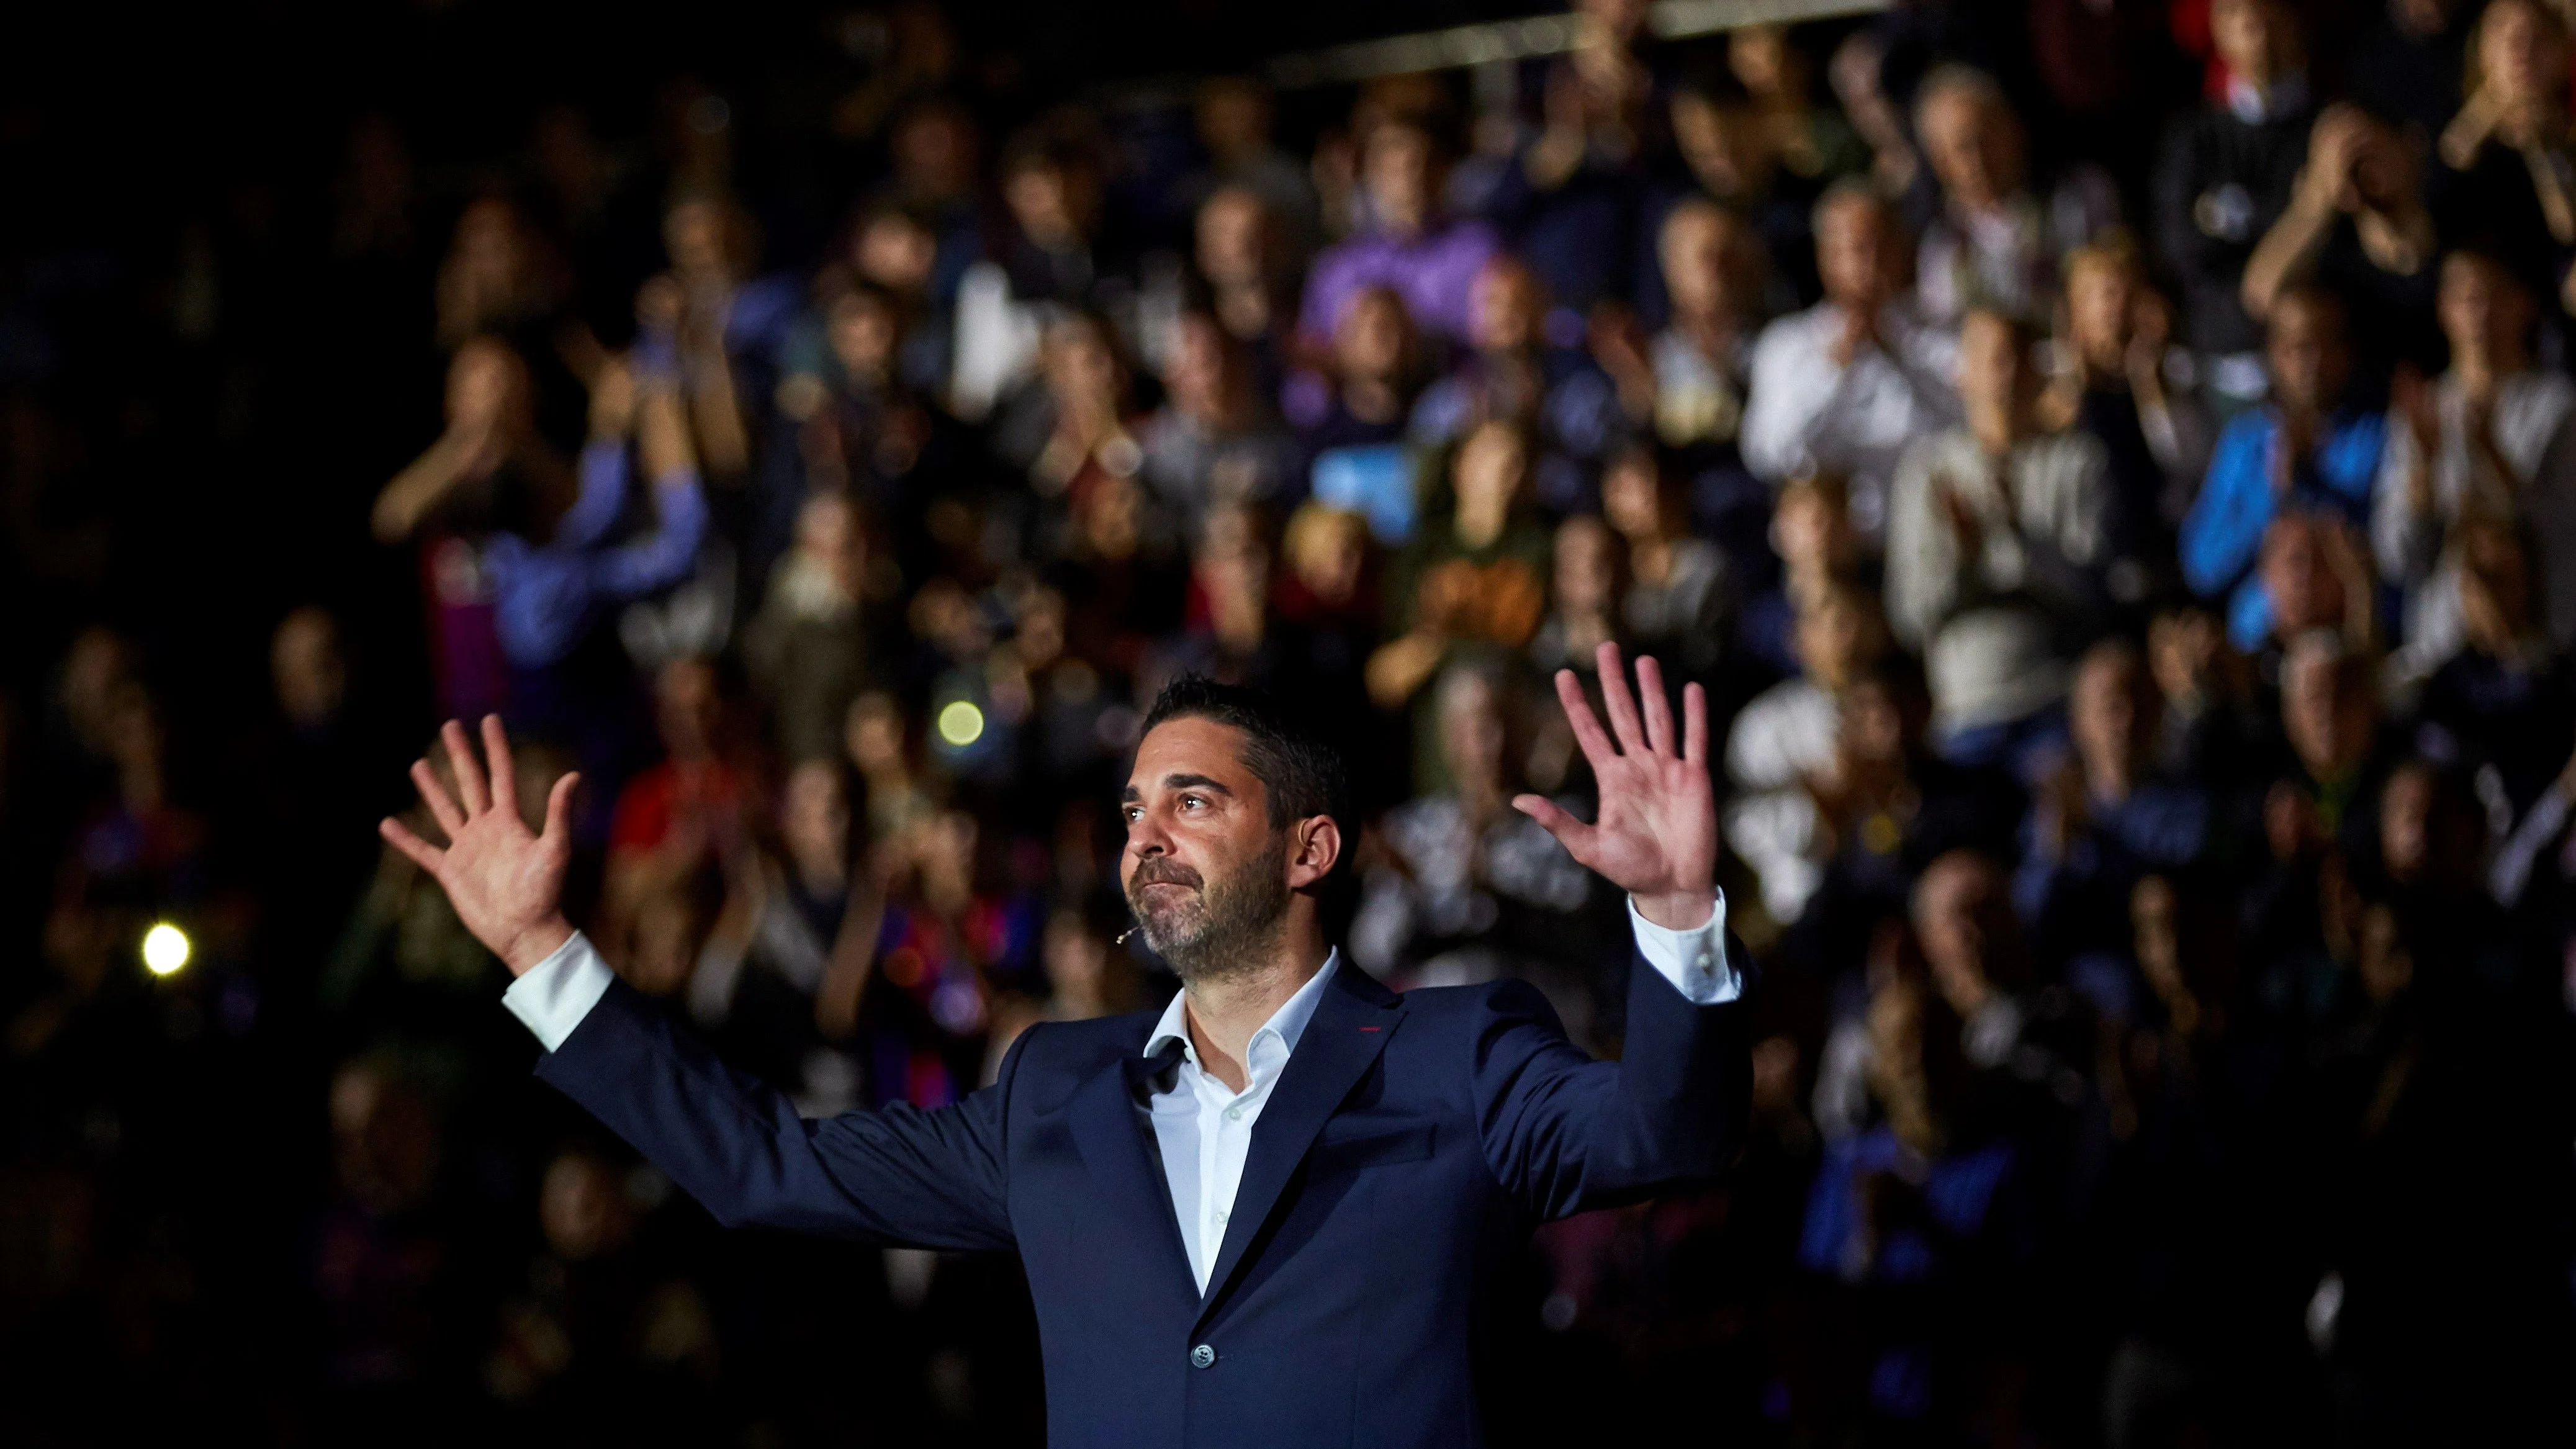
(1287, 1023)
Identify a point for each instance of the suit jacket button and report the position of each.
(1202, 1356)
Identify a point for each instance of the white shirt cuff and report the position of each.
(556, 993)
(1694, 961)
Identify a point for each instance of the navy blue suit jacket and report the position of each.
(1409, 1145)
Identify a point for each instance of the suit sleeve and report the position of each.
(1563, 1133)
(899, 1175)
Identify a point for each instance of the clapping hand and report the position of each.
(505, 882)
(1655, 836)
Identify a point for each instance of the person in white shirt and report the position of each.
(2483, 439)
(1844, 386)
(1997, 542)
(1786, 738)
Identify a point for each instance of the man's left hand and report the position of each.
(1655, 835)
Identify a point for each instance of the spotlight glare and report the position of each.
(961, 724)
(165, 949)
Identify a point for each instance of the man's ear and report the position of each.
(1313, 849)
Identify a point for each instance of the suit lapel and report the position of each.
(1349, 1029)
(1109, 1131)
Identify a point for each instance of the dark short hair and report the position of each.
(1298, 768)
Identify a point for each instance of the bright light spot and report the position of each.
(961, 724)
(165, 949)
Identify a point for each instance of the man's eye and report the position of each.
(1189, 800)
(1132, 813)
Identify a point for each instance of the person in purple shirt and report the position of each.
(1404, 242)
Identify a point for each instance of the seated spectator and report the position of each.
(1997, 551)
(2506, 188)
(1886, 806)
(2310, 448)
(503, 281)
(808, 647)
(1365, 392)
(1815, 549)
(1585, 593)
(1814, 142)
(1476, 578)
(1215, 443)
(1249, 267)
(1844, 386)
(1786, 738)
(1554, 394)
(2201, 724)
(914, 1005)
(896, 252)
(1072, 435)
(2490, 438)
(2114, 357)
(546, 597)
(2356, 223)
(604, 1331)
(1692, 389)
(2105, 818)
(489, 468)
(716, 325)
(676, 818)
(2228, 171)
(1569, 199)
(783, 923)
(1916, 1190)
(1234, 117)
(1404, 243)
(2330, 719)
(863, 428)
(1732, 150)
(1988, 243)
(1046, 266)
(1229, 632)
(1471, 889)
(2503, 702)
(878, 744)
(1680, 590)
(1687, 382)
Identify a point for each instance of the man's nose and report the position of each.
(1145, 836)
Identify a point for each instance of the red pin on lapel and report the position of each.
(1372, 1028)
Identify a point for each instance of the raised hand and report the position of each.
(505, 882)
(1655, 835)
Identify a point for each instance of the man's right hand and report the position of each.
(506, 883)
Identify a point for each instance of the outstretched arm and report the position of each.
(902, 1175)
(1563, 1132)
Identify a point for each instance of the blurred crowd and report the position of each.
(2112, 464)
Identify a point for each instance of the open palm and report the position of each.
(1655, 835)
(505, 881)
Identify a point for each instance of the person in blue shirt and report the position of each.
(547, 595)
(2309, 448)
(570, 679)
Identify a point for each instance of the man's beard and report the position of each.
(1214, 931)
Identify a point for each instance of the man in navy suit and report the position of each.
(1267, 1216)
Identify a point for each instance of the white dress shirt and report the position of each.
(2534, 425)
(1805, 413)
(1203, 1128)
